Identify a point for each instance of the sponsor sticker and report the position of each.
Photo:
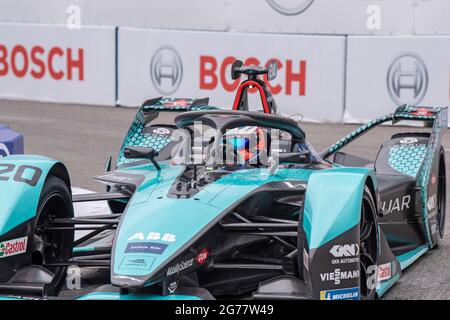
(180, 266)
(146, 247)
(409, 140)
(202, 256)
(153, 236)
(339, 275)
(13, 247)
(340, 294)
(161, 131)
(137, 262)
(384, 271)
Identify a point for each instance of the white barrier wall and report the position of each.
(55, 64)
(398, 17)
(197, 64)
(384, 72)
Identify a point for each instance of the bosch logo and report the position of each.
(166, 70)
(290, 7)
(407, 79)
(3, 150)
(215, 72)
(409, 140)
(39, 62)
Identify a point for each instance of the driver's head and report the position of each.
(248, 143)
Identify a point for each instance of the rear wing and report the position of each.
(436, 115)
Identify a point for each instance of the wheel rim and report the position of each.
(367, 246)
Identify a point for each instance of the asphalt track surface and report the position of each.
(83, 137)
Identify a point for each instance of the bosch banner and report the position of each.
(183, 64)
(385, 72)
(53, 63)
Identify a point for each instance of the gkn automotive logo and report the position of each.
(345, 250)
(166, 70)
(290, 7)
(407, 79)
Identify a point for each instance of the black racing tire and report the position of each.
(368, 244)
(441, 199)
(53, 245)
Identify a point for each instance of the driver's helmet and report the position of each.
(248, 142)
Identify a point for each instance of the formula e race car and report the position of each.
(207, 203)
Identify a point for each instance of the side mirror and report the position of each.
(302, 157)
(235, 69)
(272, 70)
(142, 153)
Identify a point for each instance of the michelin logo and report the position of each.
(340, 294)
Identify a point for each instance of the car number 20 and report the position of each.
(24, 173)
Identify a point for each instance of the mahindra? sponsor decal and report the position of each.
(339, 275)
(13, 247)
(180, 266)
(340, 294)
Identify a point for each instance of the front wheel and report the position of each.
(437, 227)
(368, 245)
(52, 245)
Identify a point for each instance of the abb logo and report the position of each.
(213, 73)
(59, 63)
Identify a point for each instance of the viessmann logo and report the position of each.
(13, 247)
(166, 70)
(290, 7)
(407, 79)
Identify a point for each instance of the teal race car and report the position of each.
(209, 203)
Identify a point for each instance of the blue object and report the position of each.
(11, 142)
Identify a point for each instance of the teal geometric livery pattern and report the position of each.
(135, 136)
(407, 159)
